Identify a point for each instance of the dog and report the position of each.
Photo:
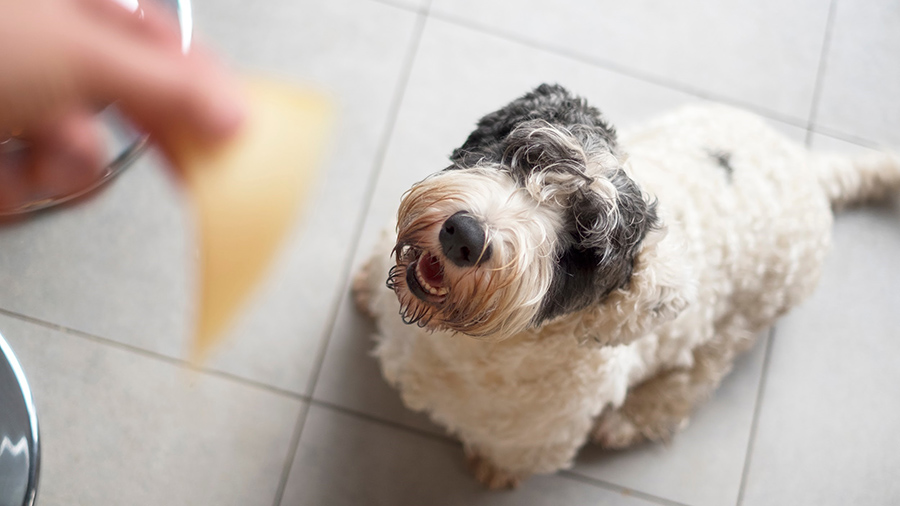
(556, 285)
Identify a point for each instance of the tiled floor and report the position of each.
(96, 300)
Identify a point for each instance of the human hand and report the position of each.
(66, 59)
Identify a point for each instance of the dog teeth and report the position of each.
(427, 286)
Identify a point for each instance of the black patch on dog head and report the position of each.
(597, 254)
(550, 103)
(535, 146)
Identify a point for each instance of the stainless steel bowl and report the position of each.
(123, 141)
(20, 447)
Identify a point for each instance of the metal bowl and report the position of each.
(20, 448)
(124, 143)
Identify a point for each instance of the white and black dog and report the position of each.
(554, 284)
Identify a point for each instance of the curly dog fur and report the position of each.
(556, 284)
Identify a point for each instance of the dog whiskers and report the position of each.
(393, 275)
(419, 315)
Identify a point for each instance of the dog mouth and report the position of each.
(420, 284)
(425, 278)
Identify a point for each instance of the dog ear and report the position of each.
(660, 288)
(613, 217)
(549, 103)
(607, 219)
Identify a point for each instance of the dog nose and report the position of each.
(462, 240)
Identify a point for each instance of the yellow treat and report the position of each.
(246, 196)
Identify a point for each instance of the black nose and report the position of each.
(462, 239)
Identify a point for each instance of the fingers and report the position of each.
(59, 159)
(67, 156)
(14, 187)
(168, 94)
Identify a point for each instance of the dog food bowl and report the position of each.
(124, 143)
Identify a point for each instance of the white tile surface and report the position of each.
(407, 4)
(116, 266)
(343, 460)
(827, 144)
(762, 53)
(702, 465)
(121, 428)
(827, 429)
(862, 74)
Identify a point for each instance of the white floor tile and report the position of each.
(120, 428)
(343, 460)
(862, 74)
(827, 428)
(406, 4)
(117, 266)
(826, 144)
(761, 53)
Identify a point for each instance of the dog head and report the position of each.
(535, 219)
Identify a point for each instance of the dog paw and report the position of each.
(489, 474)
(620, 428)
(615, 431)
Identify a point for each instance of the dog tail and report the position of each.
(849, 181)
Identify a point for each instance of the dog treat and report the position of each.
(246, 195)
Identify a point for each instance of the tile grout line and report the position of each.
(405, 73)
(371, 184)
(160, 357)
(618, 488)
(293, 445)
(757, 409)
(820, 72)
(841, 136)
(399, 5)
(361, 415)
(620, 69)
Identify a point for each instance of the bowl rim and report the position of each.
(34, 447)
